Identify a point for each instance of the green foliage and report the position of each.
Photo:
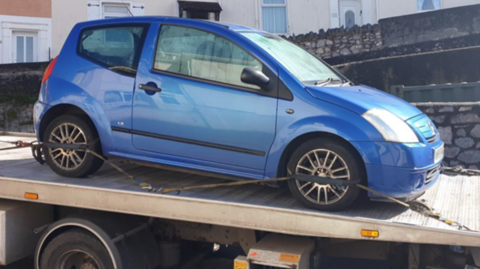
(19, 89)
(18, 98)
(12, 114)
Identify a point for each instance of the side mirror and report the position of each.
(255, 77)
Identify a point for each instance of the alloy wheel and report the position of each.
(322, 163)
(67, 133)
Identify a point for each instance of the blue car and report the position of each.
(232, 101)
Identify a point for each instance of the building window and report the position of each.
(349, 19)
(427, 5)
(24, 47)
(116, 10)
(274, 16)
(113, 9)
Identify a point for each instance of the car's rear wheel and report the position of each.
(70, 129)
(329, 158)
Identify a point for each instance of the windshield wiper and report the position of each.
(327, 81)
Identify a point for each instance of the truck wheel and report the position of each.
(75, 248)
(326, 158)
(70, 129)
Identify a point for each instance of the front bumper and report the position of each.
(402, 171)
(402, 183)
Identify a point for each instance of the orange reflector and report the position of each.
(31, 196)
(370, 233)
(240, 265)
(292, 258)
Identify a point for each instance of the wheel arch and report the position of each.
(295, 143)
(60, 110)
(71, 223)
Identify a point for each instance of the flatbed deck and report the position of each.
(251, 206)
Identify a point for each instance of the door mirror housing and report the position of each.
(254, 77)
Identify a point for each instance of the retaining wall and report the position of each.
(417, 33)
(459, 126)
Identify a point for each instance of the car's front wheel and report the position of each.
(70, 129)
(325, 158)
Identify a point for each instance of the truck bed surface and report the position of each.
(249, 206)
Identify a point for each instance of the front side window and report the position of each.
(303, 65)
(199, 54)
(117, 48)
(426, 5)
(274, 16)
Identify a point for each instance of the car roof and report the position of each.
(230, 26)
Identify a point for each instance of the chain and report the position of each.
(459, 170)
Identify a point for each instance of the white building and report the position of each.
(25, 31)
(279, 16)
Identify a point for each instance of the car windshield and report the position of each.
(303, 65)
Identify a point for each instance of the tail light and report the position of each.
(49, 70)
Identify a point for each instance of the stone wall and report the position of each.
(404, 35)
(19, 86)
(20, 83)
(459, 126)
(16, 118)
(427, 26)
(341, 42)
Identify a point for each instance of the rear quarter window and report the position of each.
(117, 48)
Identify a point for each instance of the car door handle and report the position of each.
(149, 88)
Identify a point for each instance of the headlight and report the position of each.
(391, 127)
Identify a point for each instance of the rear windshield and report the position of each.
(117, 48)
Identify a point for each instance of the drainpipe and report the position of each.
(257, 25)
(378, 9)
(219, 16)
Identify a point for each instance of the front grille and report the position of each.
(426, 128)
(432, 174)
(432, 138)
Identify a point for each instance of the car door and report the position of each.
(204, 116)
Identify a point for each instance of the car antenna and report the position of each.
(128, 8)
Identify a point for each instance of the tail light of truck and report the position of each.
(49, 70)
(370, 233)
(31, 196)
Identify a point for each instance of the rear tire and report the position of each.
(75, 248)
(70, 129)
(327, 158)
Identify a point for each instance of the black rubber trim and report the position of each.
(188, 141)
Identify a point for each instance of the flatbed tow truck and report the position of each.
(36, 206)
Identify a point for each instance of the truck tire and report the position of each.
(327, 158)
(75, 248)
(70, 129)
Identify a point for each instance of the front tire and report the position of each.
(75, 248)
(70, 129)
(326, 158)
